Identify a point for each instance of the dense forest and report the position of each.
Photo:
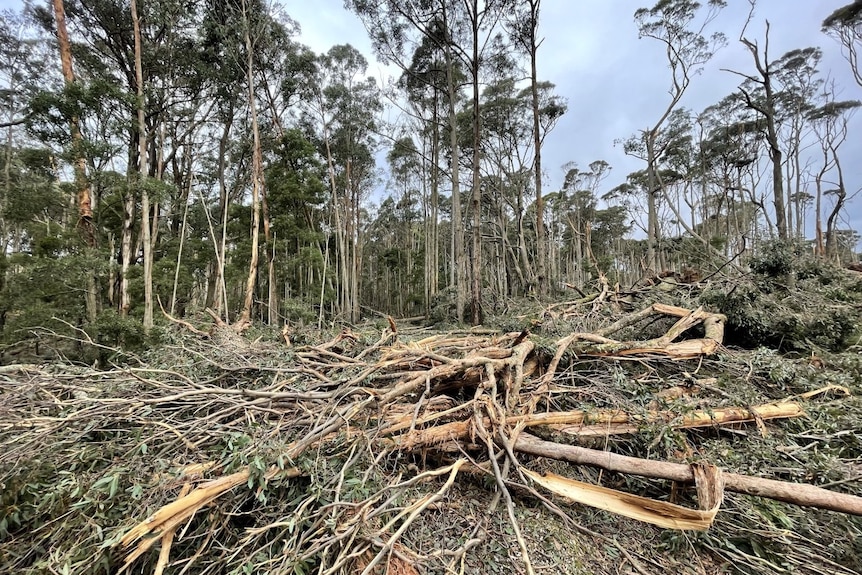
(195, 155)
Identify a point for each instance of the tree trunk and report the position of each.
(767, 110)
(272, 291)
(459, 262)
(832, 220)
(433, 250)
(217, 290)
(128, 250)
(652, 214)
(256, 181)
(82, 186)
(541, 264)
(819, 248)
(355, 253)
(476, 283)
(142, 175)
(796, 493)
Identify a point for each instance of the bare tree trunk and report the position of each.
(272, 292)
(433, 250)
(767, 110)
(832, 220)
(652, 213)
(256, 182)
(182, 243)
(142, 175)
(341, 262)
(459, 262)
(541, 256)
(272, 288)
(476, 283)
(216, 294)
(355, 254)
(819, 248)
(127, 248)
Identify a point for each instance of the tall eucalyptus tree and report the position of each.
(845, 25)
(680, 27)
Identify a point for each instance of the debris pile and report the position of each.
(412, 451)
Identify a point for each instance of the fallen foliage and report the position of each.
(404, 450)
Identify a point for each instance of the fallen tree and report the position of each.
(795, 493)
(360, 440)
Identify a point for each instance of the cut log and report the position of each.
(613, 422)
(580, 422)
(795, 493)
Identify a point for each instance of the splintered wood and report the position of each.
(475, 394)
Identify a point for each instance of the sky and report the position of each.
(616, 84)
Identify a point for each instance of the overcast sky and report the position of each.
(616, 84)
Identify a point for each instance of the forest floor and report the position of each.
(687, 428)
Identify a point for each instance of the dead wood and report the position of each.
(405, 401)
(599, 345)
(587, 423)
(795, 493)
(181, 322)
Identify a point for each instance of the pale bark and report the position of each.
(128, 219)
(796, 493)
(432, 241)
(652, 213)
(182, 241)
(476, 256)
(143, 158)
(541, 264)
(459, 257)
(256, 181)
(220, 285)
(340, 233)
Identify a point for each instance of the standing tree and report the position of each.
(143, 156)
(82, 186)
(345, 107)
(797, 77)
(830, 123)
(525, 29)
(675, 24)
(760, 95)
(257, 181)
(423, 40)
(483, 19)
(845, 25)
(85, 208)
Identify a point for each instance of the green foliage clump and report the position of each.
(790, 301)
(115, 331)
(298, 311)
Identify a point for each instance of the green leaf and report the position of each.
(103, 482)
(115, 483)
